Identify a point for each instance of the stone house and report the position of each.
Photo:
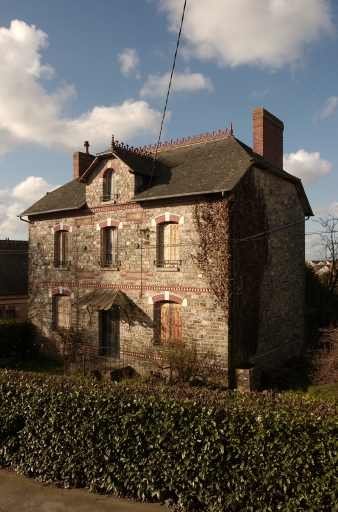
(118, 252)
(13, 279)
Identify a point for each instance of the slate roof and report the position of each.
(71, 196)
(13, 267)
(209, 166)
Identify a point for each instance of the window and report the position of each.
(61, 249)
(167, 322)
(167, 245)
(109, 254)
(61, 312)
(7, 314)
(110, 187)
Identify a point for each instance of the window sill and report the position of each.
(62, 269)
(169, 269)
(109, 269)
(111, 201)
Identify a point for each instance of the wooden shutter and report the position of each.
(174, 242)
(114, 246)
(63, 311)
(168, 322)
(64, 235)
(57, 249)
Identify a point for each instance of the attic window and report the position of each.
(110, 187)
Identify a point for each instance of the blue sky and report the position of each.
(75, 71)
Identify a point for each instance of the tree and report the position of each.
(329, 250)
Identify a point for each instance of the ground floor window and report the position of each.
(61, 312)
(7, 314)
(167, 322)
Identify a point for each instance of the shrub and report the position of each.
(325, 359)
(16, 338)
(228, 451)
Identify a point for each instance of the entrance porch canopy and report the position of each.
(103, 300)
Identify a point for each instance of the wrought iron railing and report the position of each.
(109, 264)
(109, 197)
(62, 264)
(167, 263)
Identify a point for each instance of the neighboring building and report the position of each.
(320, 267)
(113, 252)
(13, 279)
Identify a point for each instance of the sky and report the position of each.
(75, 71)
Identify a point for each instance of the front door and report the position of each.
(111, 332)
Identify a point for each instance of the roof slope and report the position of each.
(70, 196)
(210, 166)
(13, 267)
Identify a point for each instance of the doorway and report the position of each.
(110, 340)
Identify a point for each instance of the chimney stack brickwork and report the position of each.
(268, 137)
(81, 162)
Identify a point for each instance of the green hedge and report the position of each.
(16, 337)
(229, 451)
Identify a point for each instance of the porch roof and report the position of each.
(103, 300)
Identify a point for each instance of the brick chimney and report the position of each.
(268, 137)
(81, 161)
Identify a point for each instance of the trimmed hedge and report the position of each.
(16, 337)
(228, 451)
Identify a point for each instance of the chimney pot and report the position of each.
(268, 137)
(86, 146)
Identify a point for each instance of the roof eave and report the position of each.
(202, 192)
(51, 211)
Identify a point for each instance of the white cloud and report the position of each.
(129, 61)
(309, 167)
(329, 107)
(266, 33)
(259, 95)
(157, 85)
(29, 114)
(15, 201)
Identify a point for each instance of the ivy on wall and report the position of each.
(234, 267)
(212, 254)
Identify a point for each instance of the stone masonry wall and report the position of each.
(203, 321)
(281, 326)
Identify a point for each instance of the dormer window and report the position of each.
(110, 187)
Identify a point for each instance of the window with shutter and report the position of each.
(61, 249)
(61, 314)
(167, 322)
(110, 187)
(109, 249)
(167, 245)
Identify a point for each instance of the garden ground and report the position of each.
(23, 494)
